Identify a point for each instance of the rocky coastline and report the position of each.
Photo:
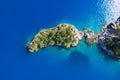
(109, 39)
(67, 36)
(64, 35)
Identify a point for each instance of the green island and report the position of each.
(67, 36)
(64, 35)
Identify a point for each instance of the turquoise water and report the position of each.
(22, 20)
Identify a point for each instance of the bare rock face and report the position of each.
(88, 34)
(118, 22)
(109, 40)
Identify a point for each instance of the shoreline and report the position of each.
(74, 36)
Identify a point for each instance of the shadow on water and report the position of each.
(118, 76)
(78, 59)
(105, 54)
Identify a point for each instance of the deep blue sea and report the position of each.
(21, 20)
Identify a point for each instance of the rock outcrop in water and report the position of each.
(67, 36)
(109, 40)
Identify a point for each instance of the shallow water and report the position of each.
(21, 20)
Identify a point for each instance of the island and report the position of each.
(64, 35)
(67, 36)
